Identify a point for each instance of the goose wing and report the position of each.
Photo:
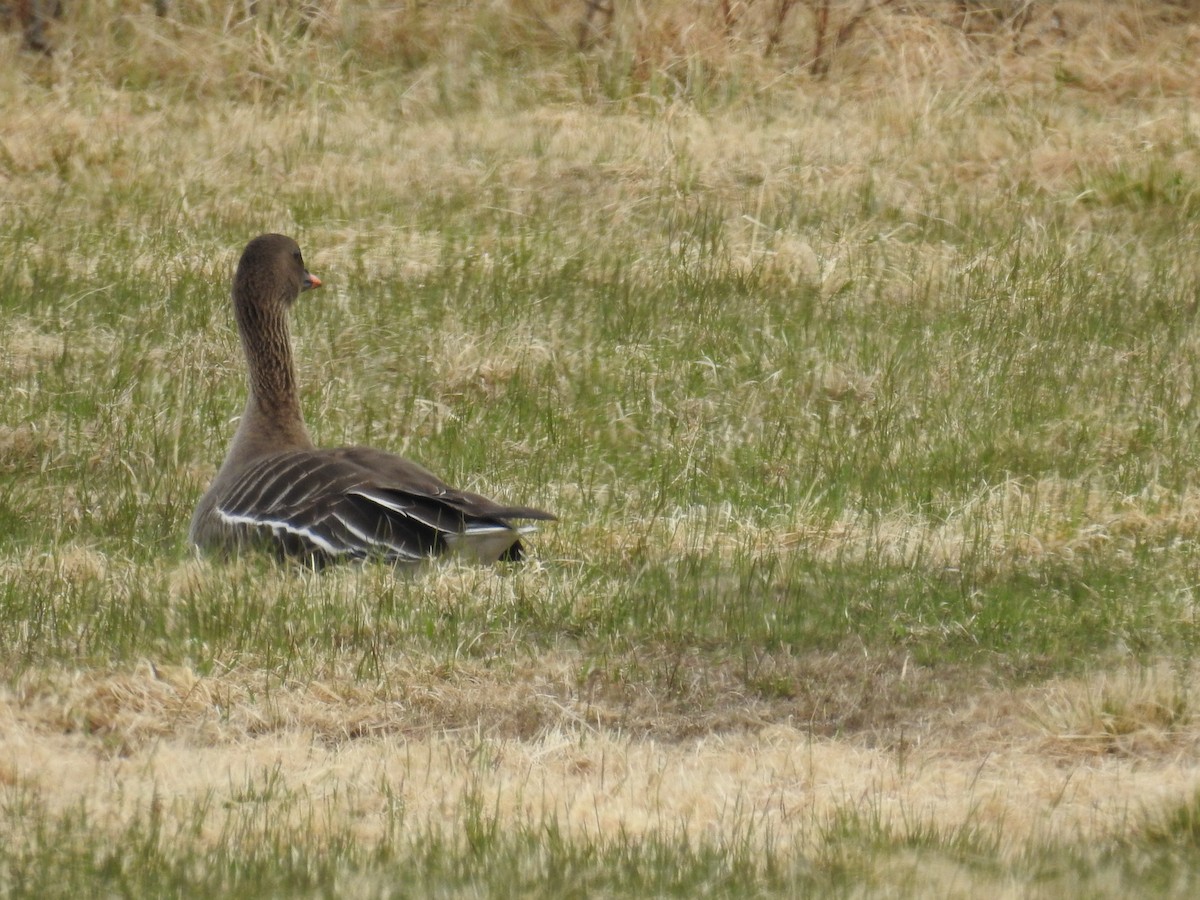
(354, 503)
(391, 472)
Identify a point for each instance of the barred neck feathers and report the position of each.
(270, 276)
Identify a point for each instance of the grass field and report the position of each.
(867, 404)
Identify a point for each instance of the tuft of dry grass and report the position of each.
(1130, 713)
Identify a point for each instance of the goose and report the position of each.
(276, 490)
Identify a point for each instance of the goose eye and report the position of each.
(298, 258)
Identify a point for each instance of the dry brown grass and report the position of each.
(1081, 756)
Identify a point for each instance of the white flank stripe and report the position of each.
(357, 532)
(488, 529)
(407, 511)
(382, 501)
(371, 541)
(282, 525)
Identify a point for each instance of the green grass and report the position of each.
(60, 856)
(653, 394)
(823, 379)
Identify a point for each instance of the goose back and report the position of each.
(325, 506)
